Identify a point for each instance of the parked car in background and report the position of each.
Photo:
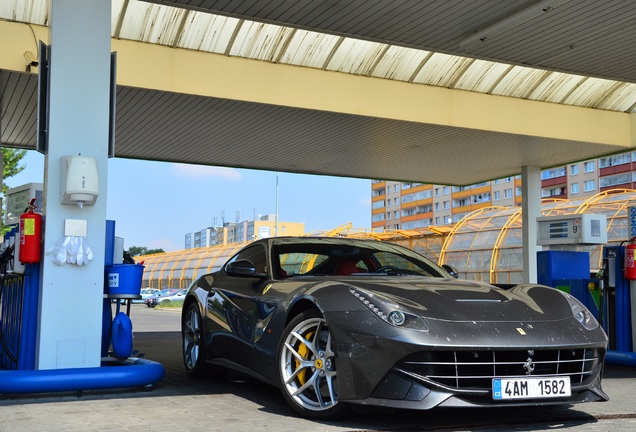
(177, 295)
(145, 293)
(152, 300)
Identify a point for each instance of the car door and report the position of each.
(234, 304)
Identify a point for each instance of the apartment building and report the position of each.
(403, 205)
(407, 205)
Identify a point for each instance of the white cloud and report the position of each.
(201, 171)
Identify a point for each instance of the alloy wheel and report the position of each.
(307, 365)
(191, 338)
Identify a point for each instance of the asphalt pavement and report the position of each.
(238, 404)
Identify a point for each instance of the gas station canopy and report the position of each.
(452, 93)
(436, 92)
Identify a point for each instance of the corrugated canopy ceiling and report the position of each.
(565, 52)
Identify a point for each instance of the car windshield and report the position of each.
(338, 259)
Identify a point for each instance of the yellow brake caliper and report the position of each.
(304, 352)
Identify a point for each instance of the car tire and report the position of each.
(307, 368)
(194, 347)
(193, 342)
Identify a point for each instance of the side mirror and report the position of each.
(243, 268)
(451, 270)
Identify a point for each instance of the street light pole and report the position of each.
(276, 215)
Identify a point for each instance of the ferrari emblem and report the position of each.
(529, 366)
(521, 331)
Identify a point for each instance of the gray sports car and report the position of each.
(335, 321)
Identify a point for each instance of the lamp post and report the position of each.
(276, 214)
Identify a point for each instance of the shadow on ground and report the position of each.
(165, 348)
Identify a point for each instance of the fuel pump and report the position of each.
(617, 298)
(600, 275)
(612, 266)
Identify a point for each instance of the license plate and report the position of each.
(530, 388)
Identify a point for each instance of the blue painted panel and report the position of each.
(553, 265)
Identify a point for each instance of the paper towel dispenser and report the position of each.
(80, 183)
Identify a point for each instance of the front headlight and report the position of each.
(389, 311)
(581, 313)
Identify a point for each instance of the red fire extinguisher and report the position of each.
(630, 265)
(30, 235)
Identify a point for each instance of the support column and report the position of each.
(70, 316)
(531, 210)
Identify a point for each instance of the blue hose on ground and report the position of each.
(111, 375)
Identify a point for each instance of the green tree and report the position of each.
(11, 166)
(142, 250)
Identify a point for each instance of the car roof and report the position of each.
(321, 240)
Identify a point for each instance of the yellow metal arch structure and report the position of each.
(512, 221)
(505, 265)
(471, 242)
(485, 245)
(339, 230)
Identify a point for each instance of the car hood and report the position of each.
(460, 300)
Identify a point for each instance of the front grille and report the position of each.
(474, 370)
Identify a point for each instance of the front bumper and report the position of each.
(371, 361)
(399, 389)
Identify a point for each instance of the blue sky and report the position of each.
(154, 204)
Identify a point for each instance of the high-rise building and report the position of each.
(404, 205)
(407, 205)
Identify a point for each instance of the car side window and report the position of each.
(299, 263)
(254, 254)
(388, 259)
